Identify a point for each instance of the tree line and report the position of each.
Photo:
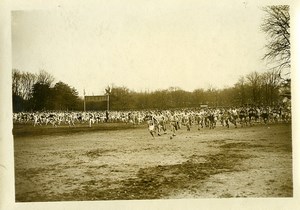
(36, 92)
(255, 88)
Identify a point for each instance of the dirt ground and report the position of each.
(128, 164)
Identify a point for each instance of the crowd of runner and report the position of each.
(209, 118)
(159, 120)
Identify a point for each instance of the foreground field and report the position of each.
(128, 164)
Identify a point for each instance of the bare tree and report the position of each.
(28, 80)
(16, 82)
(22, 83)
(276, 25)
(270, 86)
(254, 81)
(45, 78)
(240, 86)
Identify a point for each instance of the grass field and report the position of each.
(114, 161)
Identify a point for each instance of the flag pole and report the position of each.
(108, 102)
(107, 90)
(84, 100)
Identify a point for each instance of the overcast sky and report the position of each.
(143, 45)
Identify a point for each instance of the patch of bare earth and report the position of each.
(129, 164)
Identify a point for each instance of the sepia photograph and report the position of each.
(152, 100)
